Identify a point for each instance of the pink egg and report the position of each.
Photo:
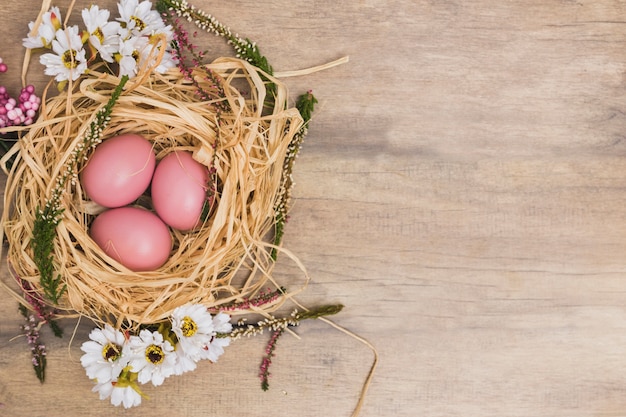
(133, 236)
(179, 189)
(119, 170)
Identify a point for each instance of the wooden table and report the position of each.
(462, 192)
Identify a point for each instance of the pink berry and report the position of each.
(21, 111)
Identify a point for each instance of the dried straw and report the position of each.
(227, 259)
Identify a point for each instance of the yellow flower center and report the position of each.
(69, 59)
(99, 34)
(188, 327)
(111, 352)
(154, 354)
(139, 24)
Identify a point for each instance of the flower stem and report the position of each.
(274, 324)
(37, 349)
(48, 217)
(305, 105)
(264, 372)
(244, 48)
(263, 298)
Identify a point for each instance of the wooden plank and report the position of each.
(461, 191)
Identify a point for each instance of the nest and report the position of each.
(226, 260)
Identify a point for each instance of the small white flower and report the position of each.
(215, 349)
(50, 23)
(166, 63)
(127, 55)
(105, 354)
(121, 393)
(145, 50)
(126, 396)
(183, 363)
(221, 323)
(68, 60)
(196, 330)
(153, 358)
(140, 19)
(103, 34)
(193, 326)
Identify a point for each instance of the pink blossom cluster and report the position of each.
(265, 297)
(20, 112)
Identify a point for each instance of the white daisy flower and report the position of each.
(140, 19)
(196, 330)
(145, 51)
(183, 363)
(50, 23)
(153, 358)
(221, 323)
(105, 354)
(68, 60)
(166, 63)
(215, 349)
(122, 392)
(128, 54)
(193, 326)
(103, 35)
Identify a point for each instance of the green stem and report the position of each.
(244, 48)
(273, 323)
(48, 217)
(305, 105)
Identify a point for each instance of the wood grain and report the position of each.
(461, 191)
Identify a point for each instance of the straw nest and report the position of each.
(227, 259)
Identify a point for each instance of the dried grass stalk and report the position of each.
(226, 260)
